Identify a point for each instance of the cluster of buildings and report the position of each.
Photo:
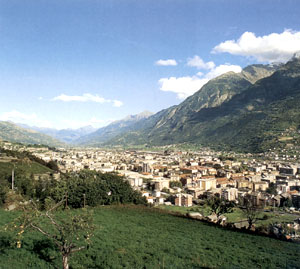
(181, 178)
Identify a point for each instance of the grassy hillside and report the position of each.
(24, 164)
(12, 132)
(138, 237)
(22, 168)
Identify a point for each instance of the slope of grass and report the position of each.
(22, 168)
(138, 237)
(14, 133)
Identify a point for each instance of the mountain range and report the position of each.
(114, 129)
(64, 135)
(250, 111)
(14, 133)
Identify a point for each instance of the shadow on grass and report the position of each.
(5, 242)
(45, 249)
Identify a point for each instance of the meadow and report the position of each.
(264, 218)
(22, 169)
(141, 237)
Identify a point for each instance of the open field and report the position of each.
(22, 168)
(264, 218)
(139, 237)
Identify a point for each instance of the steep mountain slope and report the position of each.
(65, 135)
(258, 118)
(108, 132)
(173, 124)
(14, 133)
(214, 93)
(253, 120)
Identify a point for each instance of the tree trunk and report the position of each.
(250, 224)
(65, 262)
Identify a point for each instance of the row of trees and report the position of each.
(85, 188)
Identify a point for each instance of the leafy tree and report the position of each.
(272, 189)
(220, 206)
(175, 184)
(70, 231)
(25, 186)
(287, 202)
(166, 190)
(96, 189)
(53, 165)
(250, 210)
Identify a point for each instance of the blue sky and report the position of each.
(70, 63)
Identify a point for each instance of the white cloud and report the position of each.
(117, 103)
(269, 48)
(29, 119)
(222, 69)
(86, 97)
(186, 86)
(169, 62)
(182, 86)
(196, 61)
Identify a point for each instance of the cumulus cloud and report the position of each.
(169, 62)
(188, 85)
(196, 61)
(86, 97)
(182, 86)
(222, 69)
(29, 119)
(268, 48)
(117, 103)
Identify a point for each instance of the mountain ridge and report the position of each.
(14, 133)
(210, 125)
(113, 129)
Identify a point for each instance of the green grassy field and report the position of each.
(139, 237)
(22, 168)
(237, 214)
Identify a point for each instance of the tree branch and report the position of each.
(76, 249)
(45, 233)
(56, 205)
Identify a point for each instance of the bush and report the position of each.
(3, 195)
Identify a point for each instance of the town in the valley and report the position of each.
(175, 177)
(186, 175)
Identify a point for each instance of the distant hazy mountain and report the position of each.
(249, 111)
(65, 135)
(110, 131)
(11, 132)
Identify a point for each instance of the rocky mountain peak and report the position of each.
(296, 56)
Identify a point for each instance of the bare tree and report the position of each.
(70, 230)
(250, 210)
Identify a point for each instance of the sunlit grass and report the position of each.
(139, 237)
